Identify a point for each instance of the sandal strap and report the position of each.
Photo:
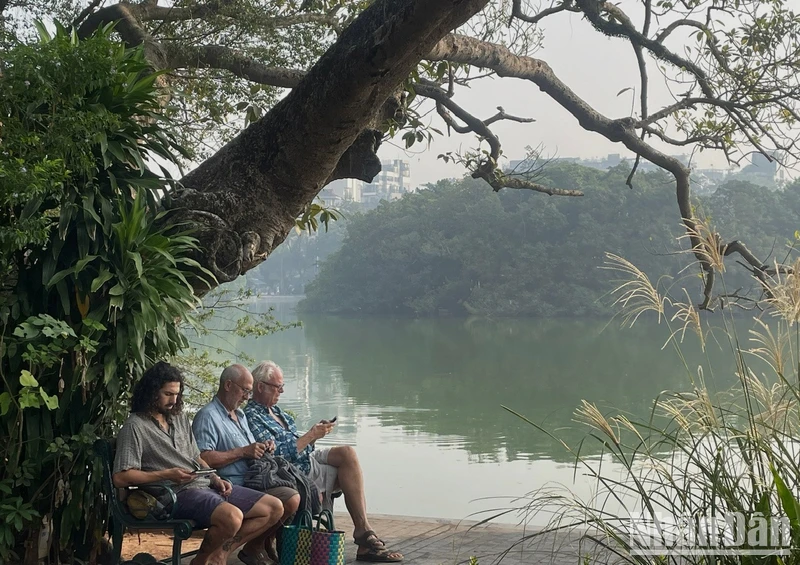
(363, 540)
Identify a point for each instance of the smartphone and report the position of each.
(332, 420)
(201, 472)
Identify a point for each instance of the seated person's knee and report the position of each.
(269, 506)
(291, 505)
(349, 453)
(227, 518)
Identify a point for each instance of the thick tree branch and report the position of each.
(260, 182)
(220, 57)
(129, 29)
(221, 8)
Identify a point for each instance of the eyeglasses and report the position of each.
(247, 391)
(278, 387)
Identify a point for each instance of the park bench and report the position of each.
(121, 520)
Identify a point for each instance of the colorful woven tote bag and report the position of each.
(303, 544)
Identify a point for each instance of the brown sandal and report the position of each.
(376, 549)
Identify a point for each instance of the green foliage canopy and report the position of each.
(458, 249)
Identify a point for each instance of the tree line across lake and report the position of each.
(457, 248)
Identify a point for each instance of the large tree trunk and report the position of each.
(245, 198)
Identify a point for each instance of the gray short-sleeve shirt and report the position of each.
(142, 444)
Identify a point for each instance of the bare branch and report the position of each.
(516, 11)
(473, 124)
(621, 26)
(462, 49)
(667, 31)
(488, 169)
(503, 181)
(85, 12)
(501, 115)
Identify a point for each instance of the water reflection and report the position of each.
(447, 379)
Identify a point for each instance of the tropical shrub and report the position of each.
(92, 286)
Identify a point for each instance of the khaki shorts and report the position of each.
(324, 476)
(282, 493)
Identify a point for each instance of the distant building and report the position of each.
(342, 190)
(760, 171)
(390, 184)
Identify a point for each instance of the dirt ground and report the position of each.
(157, 544)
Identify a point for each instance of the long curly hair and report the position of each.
(145, 393)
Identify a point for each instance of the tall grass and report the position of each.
(702, 453)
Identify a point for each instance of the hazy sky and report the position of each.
(594, 66)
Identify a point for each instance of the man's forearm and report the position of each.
(303, 442)
(219, 459)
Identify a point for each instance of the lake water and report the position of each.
(422, 400)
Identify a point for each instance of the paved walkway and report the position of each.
(427, 541)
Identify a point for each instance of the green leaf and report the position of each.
(27, 379)
(50, 401)
(116, 290)
(5, 404)
(100, 279)
(81, 264)
(789, 503)
(44, 35)
(29, 400)
(137, 259)
(26, 331)
(58, 277)
(93, 324)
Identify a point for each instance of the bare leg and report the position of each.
(257, 522)
(226, 520)
(351, 480)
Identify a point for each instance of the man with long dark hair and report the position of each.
(156, 444)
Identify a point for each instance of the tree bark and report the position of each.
(246, 197)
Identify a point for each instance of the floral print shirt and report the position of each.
(264, 427)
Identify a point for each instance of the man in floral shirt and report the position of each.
(330, 468)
